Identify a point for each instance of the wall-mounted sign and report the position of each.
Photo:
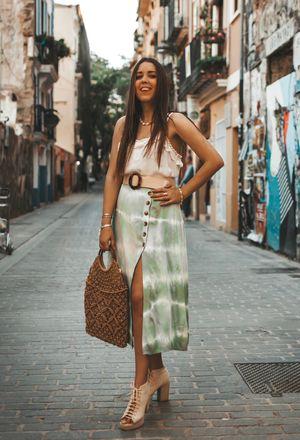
(280, 37)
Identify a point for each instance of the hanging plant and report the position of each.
(62, 50)
(50, 117)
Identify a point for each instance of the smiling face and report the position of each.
(146, 82)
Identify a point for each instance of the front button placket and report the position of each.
(146, 215)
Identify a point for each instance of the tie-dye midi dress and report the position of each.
(143, 228)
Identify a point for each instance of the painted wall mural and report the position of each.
(255, 155)
(282, 165)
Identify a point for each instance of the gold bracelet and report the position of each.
(105, 226)
(181, 195)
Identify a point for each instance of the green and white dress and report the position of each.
(156, 233)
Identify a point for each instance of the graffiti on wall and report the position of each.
(282, 165)
(255, 157)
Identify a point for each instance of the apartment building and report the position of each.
(71, 97)
(28, 69)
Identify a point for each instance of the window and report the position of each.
(280, 63)
(195, 16)
(38, 17)
(232, 9)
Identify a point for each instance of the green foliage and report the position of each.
(108, 95)
(212, 64)
(62, 49)
(49, 45)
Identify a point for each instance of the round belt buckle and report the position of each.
(132, 179)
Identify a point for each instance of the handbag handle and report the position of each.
(110, 249)
(100, 254)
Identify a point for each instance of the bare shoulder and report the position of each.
(177, 124)
(120, 122)
(179, 120)
(119, 127)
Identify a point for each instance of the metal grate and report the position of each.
(275, 270)
(273, 377)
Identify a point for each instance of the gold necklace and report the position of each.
(145, 123)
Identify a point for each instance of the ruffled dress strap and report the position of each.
(173, 153)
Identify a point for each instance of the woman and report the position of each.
(143, 223)
(189, 173)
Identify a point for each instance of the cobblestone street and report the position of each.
(58, 383)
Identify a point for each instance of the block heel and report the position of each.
(159, 380)
(163, 392)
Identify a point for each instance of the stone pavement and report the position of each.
(31, 224)
(58, 383)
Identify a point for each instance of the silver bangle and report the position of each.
(106, 226)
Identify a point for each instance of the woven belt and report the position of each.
(136, 180)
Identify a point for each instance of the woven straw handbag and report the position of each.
(106, 302)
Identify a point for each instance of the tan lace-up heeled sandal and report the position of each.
(159, 380)
(138, 404)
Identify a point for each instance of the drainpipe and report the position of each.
(241, 121)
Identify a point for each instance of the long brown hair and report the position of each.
(134, 113)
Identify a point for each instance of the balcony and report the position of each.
(50, 51)
(138, 41)
(199, 71)
(45, 121)
(178, 28)
(48, 60)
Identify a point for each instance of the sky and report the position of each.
(110, 25)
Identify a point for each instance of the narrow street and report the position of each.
(58, 383)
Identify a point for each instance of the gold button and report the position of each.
(148, 202)
(146, 213)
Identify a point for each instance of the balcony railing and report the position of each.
(45, 121)
(47, 53)
(201, 69)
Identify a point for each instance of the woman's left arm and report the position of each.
(208, 155)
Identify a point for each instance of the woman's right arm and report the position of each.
(111, 189)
